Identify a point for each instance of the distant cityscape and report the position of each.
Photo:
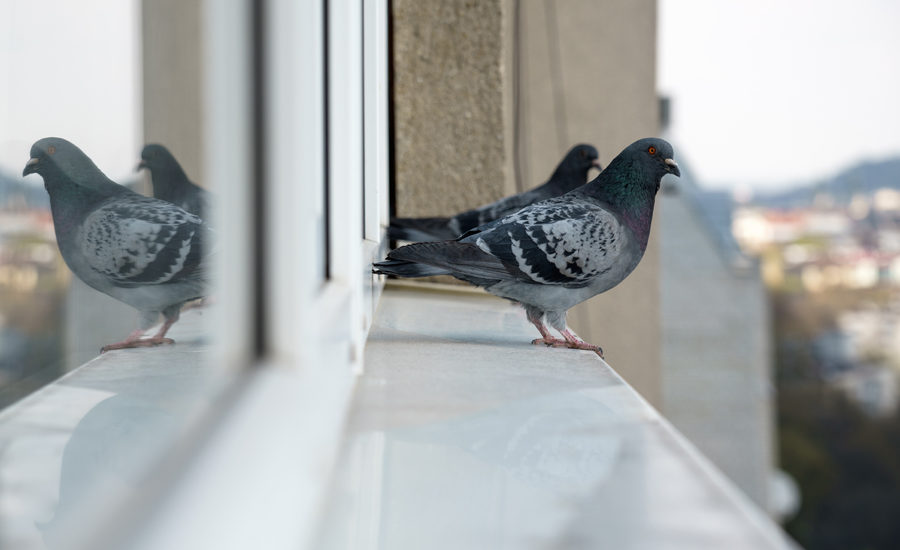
(33, 280)
(837, 242)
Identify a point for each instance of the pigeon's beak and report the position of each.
(596, 164)
(140, 165)
(30, 167)
(672, 167)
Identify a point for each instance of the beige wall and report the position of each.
(716, 367)
(173, 59)
(588, 75)
(584, 71)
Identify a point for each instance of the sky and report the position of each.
(767, 93)
(69, 69)
(764, 92)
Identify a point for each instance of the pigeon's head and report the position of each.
(581, 158)
(655, 156)
(56, 155)
(156, 156)
(61, 163)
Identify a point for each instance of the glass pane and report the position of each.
(109, 77)
(97, 108)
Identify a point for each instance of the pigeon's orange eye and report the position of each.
(652, 150)
(51, 149)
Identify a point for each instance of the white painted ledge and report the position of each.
(463, 435)
(460, 435)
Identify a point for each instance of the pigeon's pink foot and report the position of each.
(585, 346)
(137, 343)
(574, 342)
(547, 339)
(550, 342)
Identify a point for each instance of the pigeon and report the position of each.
(571, 173)
(171, 184)
(559, 252)
(143, 251)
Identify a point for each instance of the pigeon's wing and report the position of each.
(441, 229)
(471, 219)
(504, 207)
(465, 260)
(557, 242)
(135, 241)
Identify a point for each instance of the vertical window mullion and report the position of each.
(375, 103)
(228, 127)
(344, 128)
(326, 136)
(375, 144)
(296, 166)
(345, 166)
(260, 175)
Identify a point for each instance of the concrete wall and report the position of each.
(488, 97)
(451, 141)
(716, 351)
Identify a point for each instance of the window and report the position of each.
(292, 118)
(40, 319)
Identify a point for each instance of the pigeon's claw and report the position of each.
(560, 343)
(550, 342)
(585, 346)
(138, 343)
(573, 341)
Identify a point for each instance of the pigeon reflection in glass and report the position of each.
(143, 251)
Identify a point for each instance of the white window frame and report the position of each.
(261, 473)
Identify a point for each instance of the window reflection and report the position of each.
(42, 326)
(33, 281)
(122, 81)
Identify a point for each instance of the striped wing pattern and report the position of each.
(556, 242)
(138, 241)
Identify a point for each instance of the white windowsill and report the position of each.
(463, 435)
(460, 435)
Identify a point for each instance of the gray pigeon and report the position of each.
(571, 173)
(170, 183)
(142, 251)
(559, 252)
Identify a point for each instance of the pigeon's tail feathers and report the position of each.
(462, 260)
(403, 268)
(421, 229)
